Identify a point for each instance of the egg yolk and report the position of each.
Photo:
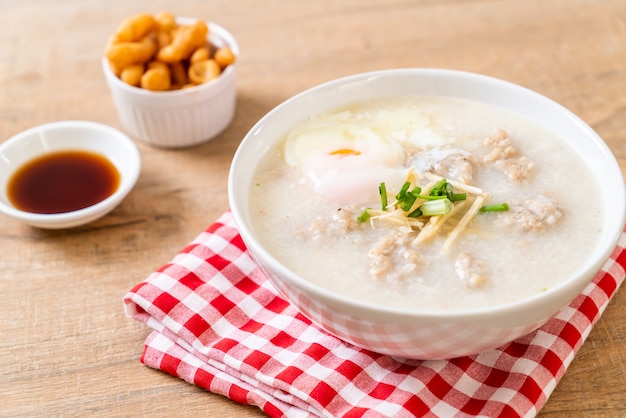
(345, 151)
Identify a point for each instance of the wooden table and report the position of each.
(66, 347)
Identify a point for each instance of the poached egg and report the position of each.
(345, 161)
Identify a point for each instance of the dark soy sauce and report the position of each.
(62, 181)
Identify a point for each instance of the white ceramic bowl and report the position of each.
(425, 335)
(179, 118)
(118, 148)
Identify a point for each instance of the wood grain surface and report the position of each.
(66, 348)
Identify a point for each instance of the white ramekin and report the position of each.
(179, 118)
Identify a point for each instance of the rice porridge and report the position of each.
(426, 203)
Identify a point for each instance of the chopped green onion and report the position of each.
(436, 207)
(455, 197)
(402, 193)
(439, 188)
(364, 216)
(406, 198)
(416, 213)
(437, 202)
(407, 202)
(499, 207)
(382, 190)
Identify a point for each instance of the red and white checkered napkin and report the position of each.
(218, 323)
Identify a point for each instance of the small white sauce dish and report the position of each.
(84, 136)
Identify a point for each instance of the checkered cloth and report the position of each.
(219, 324)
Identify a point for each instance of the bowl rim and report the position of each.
(467, 315)
(215, 31)
(128, 177)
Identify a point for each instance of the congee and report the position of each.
(426, 203)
